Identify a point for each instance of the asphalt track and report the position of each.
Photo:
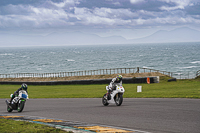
(156, 115)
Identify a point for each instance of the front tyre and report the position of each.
(104, 100)
(118, 99)
(9, 109)
(20, 106)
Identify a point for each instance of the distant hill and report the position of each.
(83, 38)
(70, 38)
(177, 35)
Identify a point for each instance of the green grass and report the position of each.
(179, 89)
(164, 89)
(12, 126)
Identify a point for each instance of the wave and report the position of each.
(195, 62)
(189, 67)
(147, 67)
(70, 60)
(24, 56)
(178, 73)
(6, 54)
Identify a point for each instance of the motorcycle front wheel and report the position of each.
(20, 106)
(104, 100)
(118, 99)
(9, 109)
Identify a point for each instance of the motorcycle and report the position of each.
(116, 96)
(18, 102)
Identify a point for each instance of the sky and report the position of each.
(130, 19)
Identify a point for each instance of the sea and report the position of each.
(182, 59)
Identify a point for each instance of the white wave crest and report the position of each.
(195, 62)
(189, 67)
(70, 60)
(6, 54)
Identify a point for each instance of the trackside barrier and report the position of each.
(85, 82)
(178, 75)
(148, 80)
(84, 73)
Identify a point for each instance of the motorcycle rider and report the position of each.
(115, 81)
(16, 93)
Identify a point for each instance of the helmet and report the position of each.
(24, 86)
(119, 77)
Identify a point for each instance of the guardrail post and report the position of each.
(138, 70)
(197, 73)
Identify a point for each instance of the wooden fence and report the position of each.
(84, 73)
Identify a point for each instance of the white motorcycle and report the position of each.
(18, 102)
(116, 96)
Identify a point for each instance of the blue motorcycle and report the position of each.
(18, 102)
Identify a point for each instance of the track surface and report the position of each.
(145, 114)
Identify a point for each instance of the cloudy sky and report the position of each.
(128, 18)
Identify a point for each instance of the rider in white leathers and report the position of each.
(113, 83)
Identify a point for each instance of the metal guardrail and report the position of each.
(84, 73)
(198, 73)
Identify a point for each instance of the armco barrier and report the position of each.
(85, 82)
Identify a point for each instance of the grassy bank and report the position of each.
(164, 89)
(11, 126)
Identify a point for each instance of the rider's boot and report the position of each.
(10, 101)
(13, 96)
(108, 95)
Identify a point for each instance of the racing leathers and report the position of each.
(16, 93)
(112, 86)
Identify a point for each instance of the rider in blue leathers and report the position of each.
(23, 87)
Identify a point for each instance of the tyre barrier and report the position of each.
(85, 82)
(174, 79)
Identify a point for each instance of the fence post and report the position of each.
(197, 73)
(138, 70)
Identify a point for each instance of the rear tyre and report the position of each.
(20, 106)
(105, 101)
(118, 99)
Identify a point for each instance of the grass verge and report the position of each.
(164, 89)
(12, 126)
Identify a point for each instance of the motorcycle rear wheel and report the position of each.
(105, 101)
(118, 99)
(20, 106)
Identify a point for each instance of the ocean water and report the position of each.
(183, 59)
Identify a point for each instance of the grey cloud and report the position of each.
(14, 10)
(193, 9)
(17, 2)
(102, 13)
